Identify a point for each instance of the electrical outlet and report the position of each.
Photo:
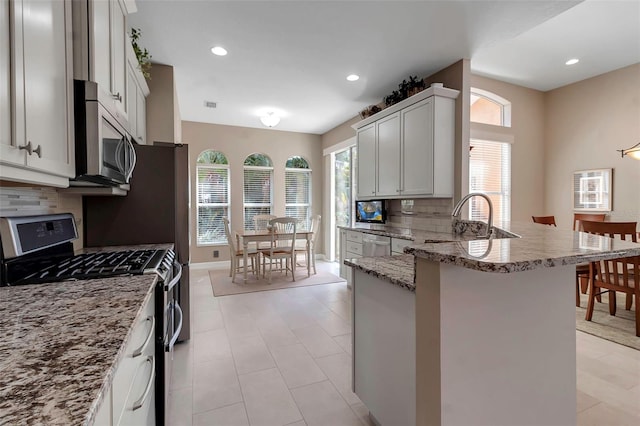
(216, 253)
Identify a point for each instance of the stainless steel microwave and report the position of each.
(104, 148)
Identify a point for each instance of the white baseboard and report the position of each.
(223, 264)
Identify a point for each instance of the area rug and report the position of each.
(620, 328)
(222, 285)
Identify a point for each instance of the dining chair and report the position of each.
(281, 248)
(315, 224)
(621, 274)
(236, 255)
(545, 220)
(582, 270)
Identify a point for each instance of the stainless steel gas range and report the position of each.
(39, 250)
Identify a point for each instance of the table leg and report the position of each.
(245, 247)
(308, 255)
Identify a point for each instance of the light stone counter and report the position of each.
(62, 343)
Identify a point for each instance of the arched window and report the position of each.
(213, 189)
(489, 108)
(490, 156)
(258, 193)
(298, 190)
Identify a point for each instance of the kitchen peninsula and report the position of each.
(483, 333)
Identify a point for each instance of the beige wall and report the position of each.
(586, 122)
(163, 115)
(237, 143)
(527, 150)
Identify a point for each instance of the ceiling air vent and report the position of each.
(210, 104)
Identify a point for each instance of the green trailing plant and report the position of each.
(144, 58)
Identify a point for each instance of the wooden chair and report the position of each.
(236, 255)
(545, 220)
(621, 274)
(592, 217)
(281, 248)
(582, 270)
(315, 224)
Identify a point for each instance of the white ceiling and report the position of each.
(293, 57)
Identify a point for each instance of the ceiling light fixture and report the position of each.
(218, 50)
(270, 119)
(353, 77)
(572, 61)
(633, 152)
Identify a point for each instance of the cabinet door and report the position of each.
(9, 153)
(131, 99)
(101, 54)
(48, 97)
(366, 141)
(417, 149)
(118, 52)
(388, 135)
(141, 117)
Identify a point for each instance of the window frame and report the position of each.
(308, 171)
(505, 192)
(505, 106)
(245, 205)
(226, 206)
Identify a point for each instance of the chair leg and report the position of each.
(313, 261)
(591, 301)
(637, 314)
(629, 302)
(293, 266)
(577, 291)
(270, 269)
(612, 302)
(233, 269)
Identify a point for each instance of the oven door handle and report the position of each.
(177, 274)
(176, 334)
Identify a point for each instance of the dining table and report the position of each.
(257, 236)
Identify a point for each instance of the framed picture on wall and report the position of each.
(592, 190)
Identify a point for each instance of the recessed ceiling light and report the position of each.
(220, 51)
(353, 77)
(572, 61)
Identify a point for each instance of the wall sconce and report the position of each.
(633, 152)
(270, 120)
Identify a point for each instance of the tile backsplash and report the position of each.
(428, 214)
(26, 201)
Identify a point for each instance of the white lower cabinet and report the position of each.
(131, 399)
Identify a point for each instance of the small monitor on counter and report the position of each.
(371, 211)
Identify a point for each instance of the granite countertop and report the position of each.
(530, 246)
(538, 246)
(398, 270)
(62, 343)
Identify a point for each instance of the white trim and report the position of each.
(223, 264)
(490, 135)
(340, 146)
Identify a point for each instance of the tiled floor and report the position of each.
(283, 357)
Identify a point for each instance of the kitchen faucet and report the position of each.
(458, 208)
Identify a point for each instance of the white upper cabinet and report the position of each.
(137, 91)
(366, 142)
(388, 130)
(100, 36)
(5, 78)
(409, 147)
(41, 145)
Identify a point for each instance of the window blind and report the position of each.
(212, 188)
(298, 196)
(258, 194)
(490, 174)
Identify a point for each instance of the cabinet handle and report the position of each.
(38, 151)
(139, 403)
(27, 147)
(117, 97)
(141, 349)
